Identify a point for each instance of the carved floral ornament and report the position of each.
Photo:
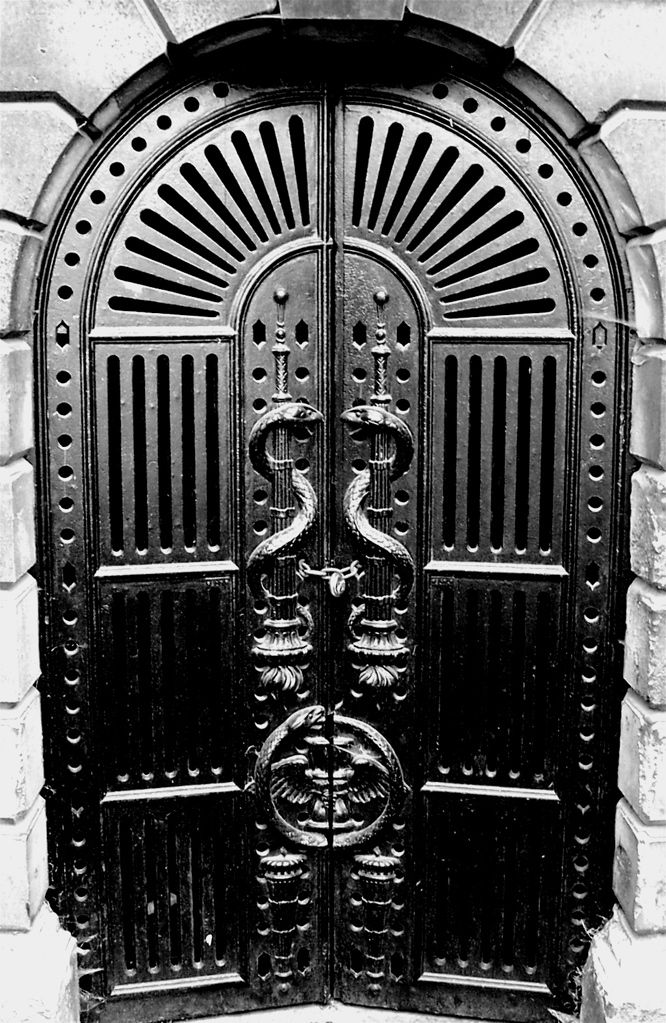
(316, 788)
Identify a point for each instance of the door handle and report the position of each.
(378, 654)
(282, 651)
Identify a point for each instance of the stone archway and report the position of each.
(648, 480)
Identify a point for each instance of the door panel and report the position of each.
(332, 486)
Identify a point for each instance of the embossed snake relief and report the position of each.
(362, 419)
(295, 535)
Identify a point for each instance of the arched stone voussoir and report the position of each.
(597, 52)
(34, 134)
(488, 19)
(185, 19)
(81, 49)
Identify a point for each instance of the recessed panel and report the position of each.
(163, 420)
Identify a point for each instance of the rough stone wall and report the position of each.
(67, 70)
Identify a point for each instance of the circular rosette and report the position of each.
(324, 786)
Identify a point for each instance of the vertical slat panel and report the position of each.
(535, 452)
(510, 454)
(201, 467)
(127, 449)
(486, 459)
(152, 466)
(463, 444)
(176, 416)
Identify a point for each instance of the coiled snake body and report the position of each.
(295, 535)
(362, 418)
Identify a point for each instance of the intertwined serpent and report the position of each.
(294, 536)
(363, 418)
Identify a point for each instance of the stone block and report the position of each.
(648, 405)
(613, 184)
(17, 530)
(10, 246)
(15, 399)
(639, 870)
(494, 20)
(39, 974)
(24, 874)
(648, 525)
(19, 639)
(624, 980)
(343, 10)
(642, 770)
(184, 20)
(598, 52)
(81, 49)
(645, 642)
(21, 760)
(32, 136)
(648, 318)
(636, 137)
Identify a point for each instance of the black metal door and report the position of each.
(332, 412)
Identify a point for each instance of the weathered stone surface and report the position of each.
(19, 639)
(346, 10)
(185, 20)
(648, 525)
(17, 533)
(648, 319)
(39, 975)
(648, 405)
(10, 246)
(642, 770)
(546, 98)
(639, 870)
(24, 874)
(80, 49)
(613, 184)
(32, 136)
(624, 980)
(21, 767)
(655, 245)
(637, 139)
(494, 20)
(15, 399)
(598, 52)
(645, 642)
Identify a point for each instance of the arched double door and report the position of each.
(332, 477)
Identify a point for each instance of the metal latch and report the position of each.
(337, 577)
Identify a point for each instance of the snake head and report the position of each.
(361, 418)
(299, 413)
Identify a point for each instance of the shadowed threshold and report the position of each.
(335, 1012)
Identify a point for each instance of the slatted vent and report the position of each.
(498, 693)
(471, 232)
(499, 452)
(167, 667)
(172, 878)
(163, 437)
(492, 880)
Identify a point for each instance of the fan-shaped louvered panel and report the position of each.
(461, 223)
(214, 209)
(498, 451)
(163, 422)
